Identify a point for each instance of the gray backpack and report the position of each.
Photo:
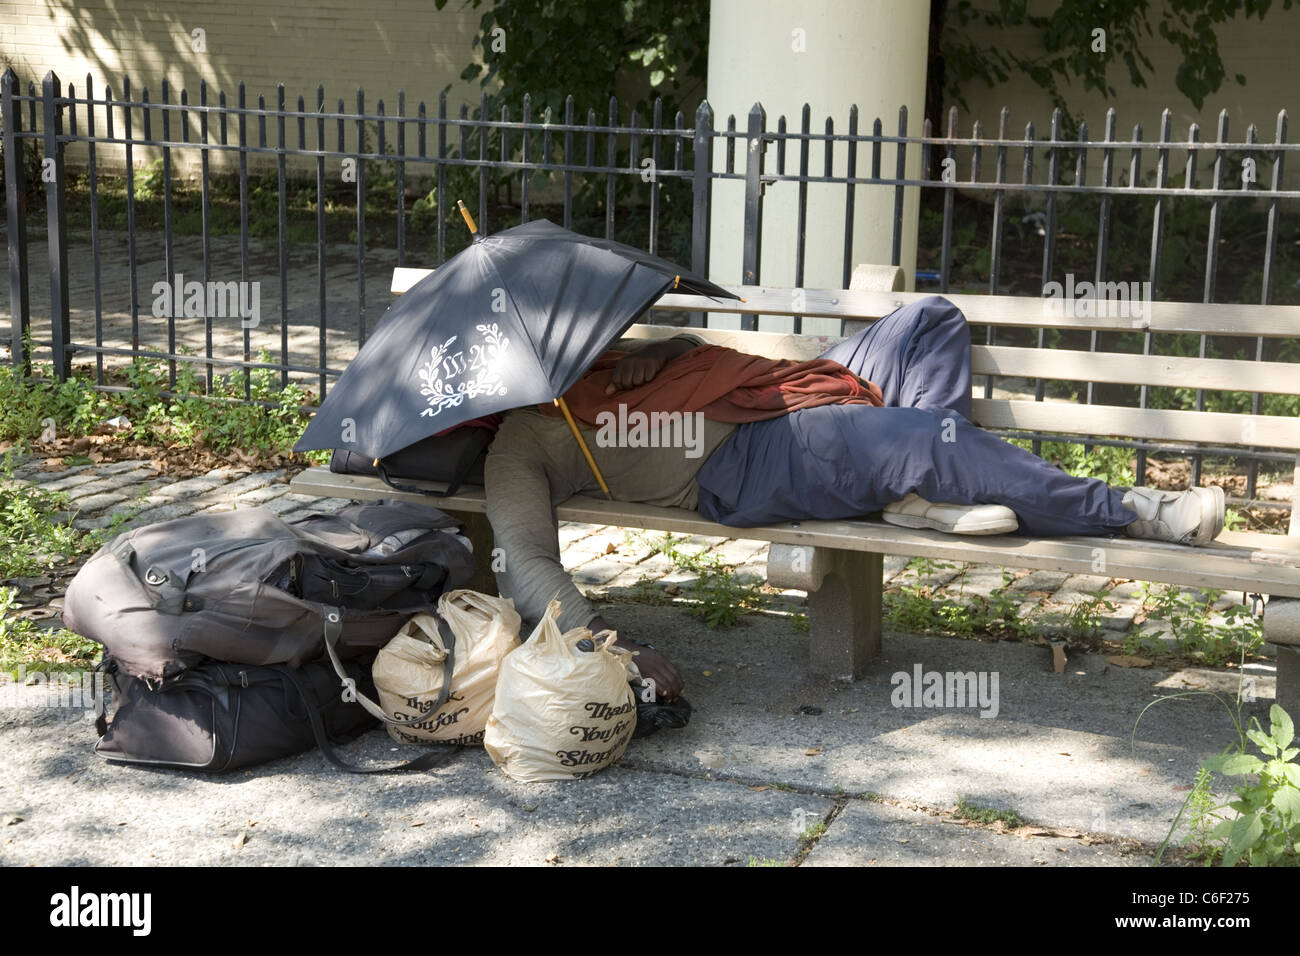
(249, 588)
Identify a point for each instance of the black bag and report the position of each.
(247, 587)
(456, 458)
(217, 717)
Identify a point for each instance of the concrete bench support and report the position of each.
(1282, 630)
(479, 532)
(845, 602)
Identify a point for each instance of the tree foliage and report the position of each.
(558, 47)
(1068, 51)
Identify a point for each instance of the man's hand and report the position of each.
(645, 363)
(652, 665)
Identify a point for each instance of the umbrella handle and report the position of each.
(469, 220)
(591, 462)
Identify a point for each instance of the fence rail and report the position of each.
(631, 180)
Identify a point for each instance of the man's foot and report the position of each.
(1192, 517)
(915, 512)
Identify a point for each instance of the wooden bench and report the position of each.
(840, 563)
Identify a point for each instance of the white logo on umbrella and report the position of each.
(445, 365)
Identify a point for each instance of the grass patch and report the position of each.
(246, 409)
(1196, 636)
(915, 608)
(24, 643)
(813, 832)
(978, 814)
(718, 594)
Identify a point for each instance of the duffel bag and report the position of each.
(247, 587)
(216, 716)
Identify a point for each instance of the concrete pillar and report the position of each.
(830, 54)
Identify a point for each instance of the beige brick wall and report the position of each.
(343, 44)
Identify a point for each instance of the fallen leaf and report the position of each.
(1058, 658)
(1127, 660)
(758, 789)
(707, 673)
(812, 751)
(241, 839)
(418, 823)
(552, 858)
(610, 548)
(12, 818)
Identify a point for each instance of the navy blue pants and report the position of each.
(843, 461)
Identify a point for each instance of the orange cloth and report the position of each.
(726, 385)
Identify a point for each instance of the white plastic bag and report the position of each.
(560, 712)
(408, 672)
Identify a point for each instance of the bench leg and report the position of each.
(845, 600)
(1282, 630)
(479, 532)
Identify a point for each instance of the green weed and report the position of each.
(970, 811)
(1198, 638)
(720, 596)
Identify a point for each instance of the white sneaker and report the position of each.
(1192, 517)
(915, 512)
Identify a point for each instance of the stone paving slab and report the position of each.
(874, 834)
(767, 753)
(78, 810)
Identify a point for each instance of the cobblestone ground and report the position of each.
(607, 562)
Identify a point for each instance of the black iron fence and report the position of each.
(648, 180)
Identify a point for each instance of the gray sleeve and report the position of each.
(524, 527)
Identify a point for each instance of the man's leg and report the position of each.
(919, 355)
(842, 461)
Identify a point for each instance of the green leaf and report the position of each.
(1263, 741)
(656, 77)
(1286, 800)
(1234, 764)
(1246, 831)
(1283, 729)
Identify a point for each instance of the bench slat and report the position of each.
(1235, 375)
(1027, 311)
(1269, 564)
(1120, 368)
(1218, 428)
(1279, 321)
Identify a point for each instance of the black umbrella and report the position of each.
(513, 320)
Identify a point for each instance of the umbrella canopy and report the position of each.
(515, 319)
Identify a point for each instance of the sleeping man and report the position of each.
(879, 423)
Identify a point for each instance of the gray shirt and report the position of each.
(535, 463)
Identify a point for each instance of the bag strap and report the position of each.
(334, 628)
(425, 761)
(452, 487)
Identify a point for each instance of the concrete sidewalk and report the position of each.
(773, 769)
